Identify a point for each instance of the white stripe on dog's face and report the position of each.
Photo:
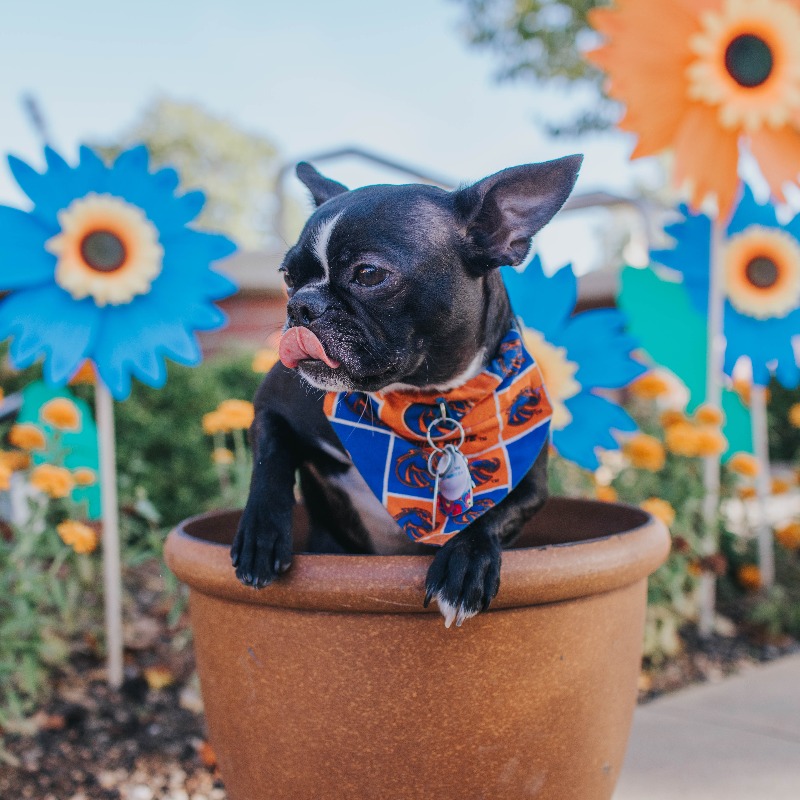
(322, 237)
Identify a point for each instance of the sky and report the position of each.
(397, 78)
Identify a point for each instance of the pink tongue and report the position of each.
(299, 344)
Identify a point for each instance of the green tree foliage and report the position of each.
(234, 168)
(541, 41)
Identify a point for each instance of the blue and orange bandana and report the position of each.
(505, 414)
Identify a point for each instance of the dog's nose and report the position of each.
(306, 305)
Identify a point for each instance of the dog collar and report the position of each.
(497, 421)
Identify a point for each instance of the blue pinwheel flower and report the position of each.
(578, 355)
(761, 274)
(104, 267)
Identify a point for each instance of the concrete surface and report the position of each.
(734, 740)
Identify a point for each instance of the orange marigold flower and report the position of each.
(780, 486)
(84, 374)
(236, 413)
(709, 415)
(52, 480)
(79, 536)
(650, 386)
(710, 441)
(744, 464)
(681, 439)
(27, 436)
(84, 476)
(222, 456)
(694, 569)
(607, 494)
(645, 452)
(671, 417)
(15, 460)
(746, 492)
(61, 413)
(213, 423)
(265, 359)
(749, 576)
(794, 415)
(5, 477)
(788, 536)
(660, 509)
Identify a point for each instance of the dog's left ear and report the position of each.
(321, 188)
(501, 213)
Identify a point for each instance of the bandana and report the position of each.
(505, 415)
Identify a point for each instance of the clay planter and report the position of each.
(334, 683)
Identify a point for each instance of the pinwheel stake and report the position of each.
(766, 553)
(112, 568)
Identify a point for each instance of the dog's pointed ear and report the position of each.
(321, 188)
(501, 213)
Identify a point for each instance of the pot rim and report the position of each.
(529, 576)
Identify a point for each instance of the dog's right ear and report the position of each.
(321, 188)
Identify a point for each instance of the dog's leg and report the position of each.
(262, 548)
(464, 577)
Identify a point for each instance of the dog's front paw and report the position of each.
(464, 576)
(262, 547)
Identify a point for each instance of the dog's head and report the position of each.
(389, 284)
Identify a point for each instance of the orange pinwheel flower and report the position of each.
(700, 76)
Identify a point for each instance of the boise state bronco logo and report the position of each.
(471, 514)
(510, 357)
(418, 416)
(362, 406)
(415, 521)
(411, 469)
(524, 406)
(483, 469)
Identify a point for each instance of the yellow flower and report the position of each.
(61, 413)
(780, 486)
(660, 509)
(213, 423)
(79, 536)
(265, 359)
(645, 452)
(710, 441)
(709, 415)
(650, 386)
(27, 436)
(84, 476)
(794, 415)
(236, 414)
(53, 481)
(608, 494)
(5, 477)
(789, 536)
(744, 464)
(84, 374)
(671, 417)
(681, 439)
(749, 576)
(746, 492)
(15, 460)
(222, 456)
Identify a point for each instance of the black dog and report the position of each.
(400, 289)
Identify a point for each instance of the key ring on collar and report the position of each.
(444, 419)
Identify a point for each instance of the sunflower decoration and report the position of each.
(579, 355)
(701, 77)
(104, 267)
(761, 272)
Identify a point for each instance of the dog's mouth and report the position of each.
(300, 344)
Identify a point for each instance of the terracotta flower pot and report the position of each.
(335, 683)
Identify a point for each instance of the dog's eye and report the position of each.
(369, 275)
(288, 280)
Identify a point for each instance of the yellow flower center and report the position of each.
(558, 373)
(747, 63)
(107, 249)
(762, 272)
